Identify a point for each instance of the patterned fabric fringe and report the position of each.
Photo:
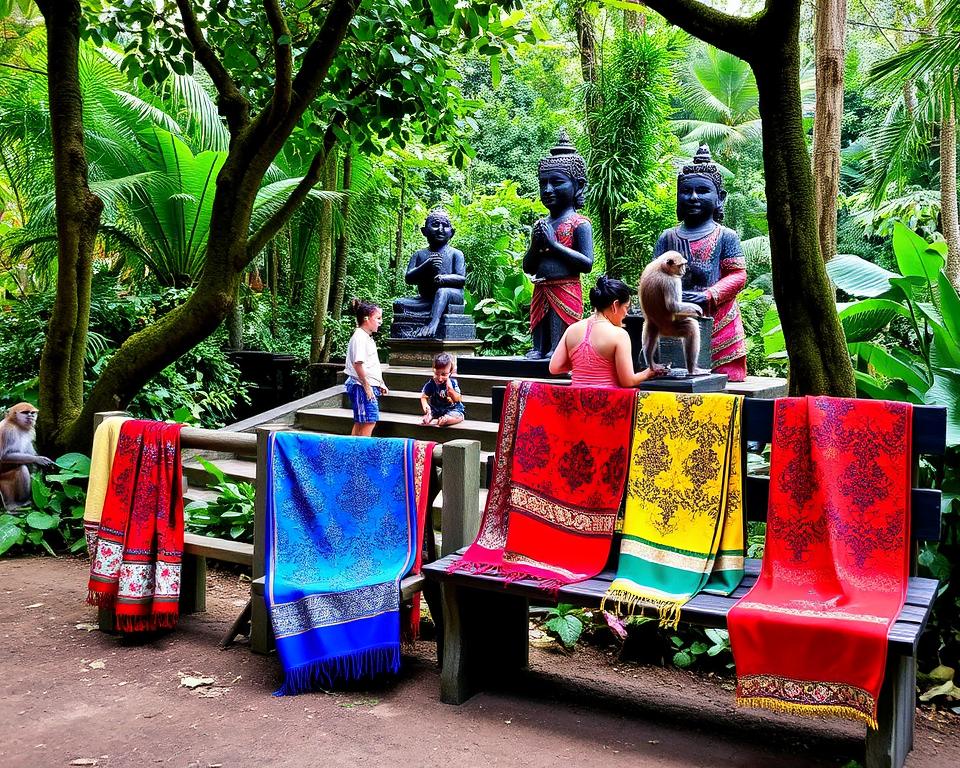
(683, 527)
(811, 635)
(557, 483)
(345, 519)
(136, 566)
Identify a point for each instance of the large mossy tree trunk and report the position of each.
(324, 263)
(255, 140)
(335, 306)
(949, 219)
(78, 217)
(769, 42)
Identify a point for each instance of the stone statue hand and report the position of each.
(549, 235)
(436, 262)
(701, 298)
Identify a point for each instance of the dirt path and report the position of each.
(69, 694)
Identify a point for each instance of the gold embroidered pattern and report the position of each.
(513, 557)
(815, 613)
(576, 518)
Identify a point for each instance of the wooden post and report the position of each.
(460, 515)
(888, 746)
(261, 633)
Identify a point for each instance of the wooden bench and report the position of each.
(486, 619)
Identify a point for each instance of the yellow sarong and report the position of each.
(683, 527)
(105, 441)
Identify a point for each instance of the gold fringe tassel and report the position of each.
(632, 604)
(808, 710)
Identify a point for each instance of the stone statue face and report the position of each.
(437, 230)
(697, 199)
(557, 190)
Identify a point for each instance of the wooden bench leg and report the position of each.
(193, 584)
(485, 638)
(888, 746)
(261, 632)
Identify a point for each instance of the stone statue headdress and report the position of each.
(439, 213)
(702, 165)
(565, 158)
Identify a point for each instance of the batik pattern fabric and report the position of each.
(811, 636)
(105, 441)
(683, 524)
(345, 519)
(557, 483)
(136, 565)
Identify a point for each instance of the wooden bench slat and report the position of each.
(703, 609)
(226, 550)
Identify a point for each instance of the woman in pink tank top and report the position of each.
(597, 350)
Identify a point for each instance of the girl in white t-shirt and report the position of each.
(364, 374)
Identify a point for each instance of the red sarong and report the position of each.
(557, 483)
(563, 295)
(811, 636)
(136, 568)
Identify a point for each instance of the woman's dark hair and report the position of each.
(608, 290)
(361, 309)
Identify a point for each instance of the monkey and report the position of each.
(16, 453)
(664, 312)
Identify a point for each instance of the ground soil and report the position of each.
(70, 695)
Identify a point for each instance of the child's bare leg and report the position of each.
(363, 430)
(449, 418)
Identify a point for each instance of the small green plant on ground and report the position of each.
(230, 515)
(54, 520)
(565, 623)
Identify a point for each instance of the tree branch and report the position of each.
(318, 57)
(232, 104)
(734, 34)
(23, 69)
(272, 225)
(283, 58)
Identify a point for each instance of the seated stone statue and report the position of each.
(716, 268)
(561, 248)
(439, 273)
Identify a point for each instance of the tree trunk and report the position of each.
(769, 41)
(949, 219)
(343, 248)
(235, 323)
(397, 258)
(324, 261)
(816, 346)
(274, 285)
(78, 217)
(829, 44)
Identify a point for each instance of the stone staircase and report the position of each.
(400, 416)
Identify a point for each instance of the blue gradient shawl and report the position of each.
(342, 531)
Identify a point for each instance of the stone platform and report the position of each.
(515, 366)
(670, 349)
(454, 326)
(420, 352)
(707, 382)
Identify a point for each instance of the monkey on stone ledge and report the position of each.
(16, 453)
(665, 313)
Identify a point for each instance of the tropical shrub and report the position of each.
(54, 520)
(503, 321)
(230, 515)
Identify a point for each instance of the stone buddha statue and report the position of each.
(716, 268)
(439, 273)
(561, 248)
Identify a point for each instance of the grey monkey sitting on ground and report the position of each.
(16, 454)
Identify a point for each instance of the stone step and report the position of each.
(411, 379)
(339, 421)
(401, 401)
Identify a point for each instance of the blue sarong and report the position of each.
(344, 526)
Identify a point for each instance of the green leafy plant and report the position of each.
(54, 520)
(566, 624)
(709, 641)
(230, 515)
(502, 321)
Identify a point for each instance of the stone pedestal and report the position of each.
(698, 385)
(420, 352)
(516, 367)
(671, 349)
(454, 325)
